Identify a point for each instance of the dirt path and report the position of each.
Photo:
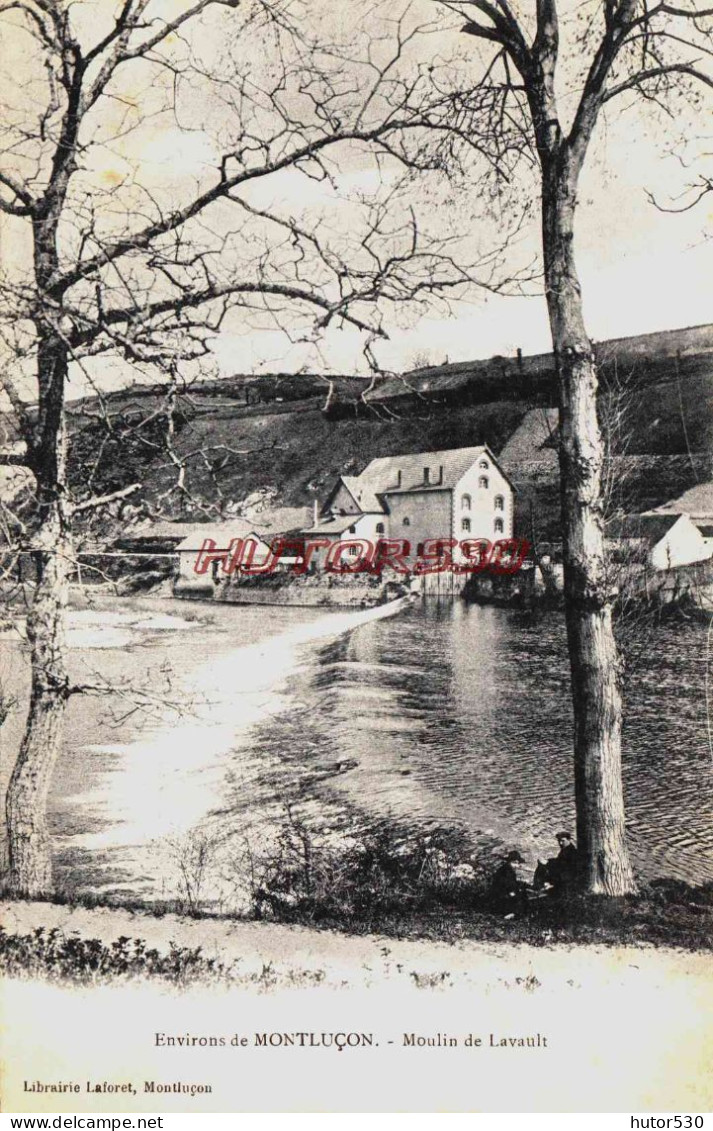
(450, 1027)
(346, 960)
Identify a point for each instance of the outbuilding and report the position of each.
(661, 541)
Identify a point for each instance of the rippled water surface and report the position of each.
(456, 713)
(463, 712)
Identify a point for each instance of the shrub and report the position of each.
(307, 876)
(59, 957)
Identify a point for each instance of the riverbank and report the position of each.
(86, 942)
(83, 945)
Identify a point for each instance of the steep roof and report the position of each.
(697, 503)
(381, 475)
(650, 528)
(363, 493)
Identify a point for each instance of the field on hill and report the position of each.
(273, 436)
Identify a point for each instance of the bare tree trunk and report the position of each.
(26, 804)
(594, 662)
(30, 868)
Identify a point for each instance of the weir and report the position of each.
(160, 788)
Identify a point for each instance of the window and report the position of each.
(352, 529)
(353, 551)
(465, 502)
(484, 464)
(499, 526)
(419, 550)
(483, 481)
(407, 521)
(465, 525)
(380, 528)
(499, 503)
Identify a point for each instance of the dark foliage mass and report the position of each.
(59, 957)
(435, 884)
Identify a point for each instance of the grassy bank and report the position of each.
(395, 883)
(75, 954)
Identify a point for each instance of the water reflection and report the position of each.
(462, 713)
(454, 713)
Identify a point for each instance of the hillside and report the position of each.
(272, 434)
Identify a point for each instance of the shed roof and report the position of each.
(649, 528)
(279, 520)
(161, 531)
(222, 533)
(697, 502)
(333, 524)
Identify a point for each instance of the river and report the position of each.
(456, 714)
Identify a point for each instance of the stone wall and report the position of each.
(320, 590)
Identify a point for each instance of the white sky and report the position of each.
(641, 270)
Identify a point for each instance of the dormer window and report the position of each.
(398, 478)
(426, 474)
(484, 481)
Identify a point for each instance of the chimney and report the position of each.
(519, 359)
(316, 512)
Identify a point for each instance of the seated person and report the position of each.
(559, 872)
(506, 891)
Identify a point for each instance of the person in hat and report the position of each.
(506, 891)
(567, 861)
(560, 872)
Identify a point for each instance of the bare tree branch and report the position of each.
(104, 500)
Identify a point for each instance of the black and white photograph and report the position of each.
(356, 548)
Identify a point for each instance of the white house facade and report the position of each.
(696, 504)
(662, 541)
(215, 541)
(450, 495)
